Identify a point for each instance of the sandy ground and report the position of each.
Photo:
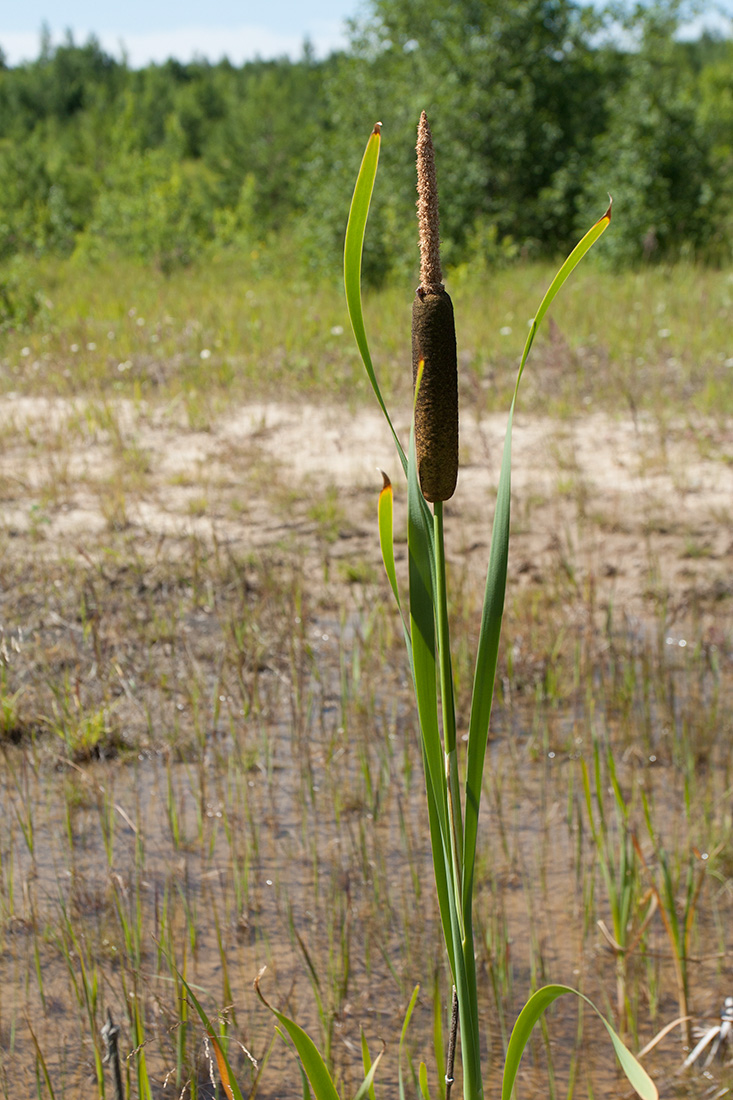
(638, 511)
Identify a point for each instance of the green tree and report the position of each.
(515, 92)
(153, 207)
(535, 117)
(273, 112)
(714, 116)
(654, 157)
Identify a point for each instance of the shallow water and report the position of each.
(277, 818)
(303, 848)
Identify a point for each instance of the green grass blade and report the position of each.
(353, 248)
(442, 881)
(408, 1015)
(493, 608)
(424, 670)
(308, 1052)
(386, 543)
(403, 1035)
(144, 1090)
(636, 1075)
(366, 1060)
(41, 1060)
(486, 660)
(386, 535)
(311, 1058)
(423, 1079)
(366, 1088)
(583, 246)
(421, 566)
(303, 1074)
(229, 1084)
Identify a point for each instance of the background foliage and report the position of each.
(538, 108)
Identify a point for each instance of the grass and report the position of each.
(655, 341)
(199, 773)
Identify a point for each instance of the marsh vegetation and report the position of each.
(210, 760)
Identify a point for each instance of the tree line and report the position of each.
(538, 109)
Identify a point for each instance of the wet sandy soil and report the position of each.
(216, 765)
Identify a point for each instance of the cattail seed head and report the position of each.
(428, 219)
(433, 343)
(436, 408)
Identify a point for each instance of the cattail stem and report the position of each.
(111, 1035)
(451, 1046)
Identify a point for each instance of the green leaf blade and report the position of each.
(353, 249)
(538, 1003)
(581, 248)
(486, 661)
(423, 1079)
(421, 567)
(493, 607)
(366, 1088)
(385, 515)
(310, 1057)
(403, 1036)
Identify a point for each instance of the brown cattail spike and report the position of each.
(433, 343)
(436, 408)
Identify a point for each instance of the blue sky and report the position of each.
(153, 30)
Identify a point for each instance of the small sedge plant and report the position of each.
(631, 907)
(678, 907)
(430, 466)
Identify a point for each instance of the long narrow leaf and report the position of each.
(493, 609)
(353, 248)
(386, 535)
(403, 1035)
(637, 1076)
(583, 246)
(303, 1074)
(366, 1059)
(366, 1088)
(442, 882)
(41, 1059)
(424, 670)
(308, 1052)
(385, 514)
(422, 631)
(423, 1079)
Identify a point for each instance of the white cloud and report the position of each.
(237, 43)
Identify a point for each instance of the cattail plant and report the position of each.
(431, 469)
(430, 466)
